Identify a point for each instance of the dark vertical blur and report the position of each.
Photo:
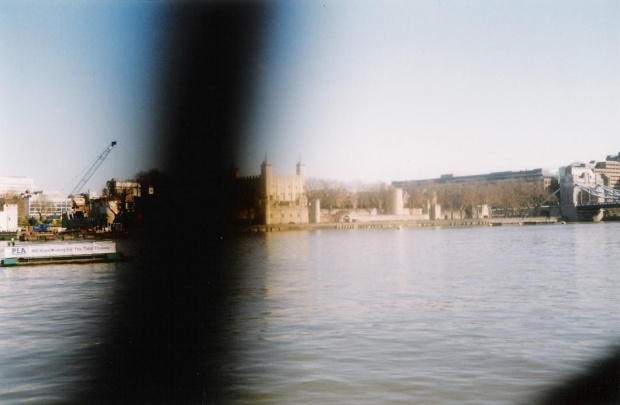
(162, 343)
(210, 69)
(597, 383)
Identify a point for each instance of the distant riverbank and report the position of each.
(405, 224)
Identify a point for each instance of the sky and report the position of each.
(398, 90)
(359, 90)
(74, 77)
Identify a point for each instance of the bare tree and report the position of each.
(332, 194)
(418, 195)
(448, 196)
(43, 207)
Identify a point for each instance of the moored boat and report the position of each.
(29, 253)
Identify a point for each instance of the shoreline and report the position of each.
(488, 222)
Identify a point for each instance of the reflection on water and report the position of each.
(433, 316)
(50, 319)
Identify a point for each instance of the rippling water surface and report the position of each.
(420, 315)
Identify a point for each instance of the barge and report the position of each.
(59, 252)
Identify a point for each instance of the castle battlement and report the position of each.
(249, 178)
(292, 177)
(281, 197)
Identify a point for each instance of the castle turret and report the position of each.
(301, 182)
(265, 172)
(301, 169)
(395, 203)
(315, 212)
(265, 176)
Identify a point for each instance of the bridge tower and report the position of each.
(572, 196)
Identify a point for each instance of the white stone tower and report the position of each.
(301, 179)
(265, 177)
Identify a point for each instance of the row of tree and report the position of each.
(355, 194)
(504, 198)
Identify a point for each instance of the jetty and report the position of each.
(59, 252)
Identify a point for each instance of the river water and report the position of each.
(376, 316)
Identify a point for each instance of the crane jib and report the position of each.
(92, 170)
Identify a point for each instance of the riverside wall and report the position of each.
(395, 224)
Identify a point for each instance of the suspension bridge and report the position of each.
(587, 200)
(597, 198)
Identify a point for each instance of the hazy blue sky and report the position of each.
(75, 76)
(369, 90)
(395, 90)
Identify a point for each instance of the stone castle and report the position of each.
(271, 198)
